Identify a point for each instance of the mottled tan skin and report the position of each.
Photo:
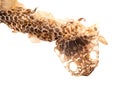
(74, 41)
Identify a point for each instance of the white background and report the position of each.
(24, 64)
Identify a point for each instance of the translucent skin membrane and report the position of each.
(76, 45)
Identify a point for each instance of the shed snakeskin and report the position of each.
(76, 44)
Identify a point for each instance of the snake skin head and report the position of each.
(80, 51)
